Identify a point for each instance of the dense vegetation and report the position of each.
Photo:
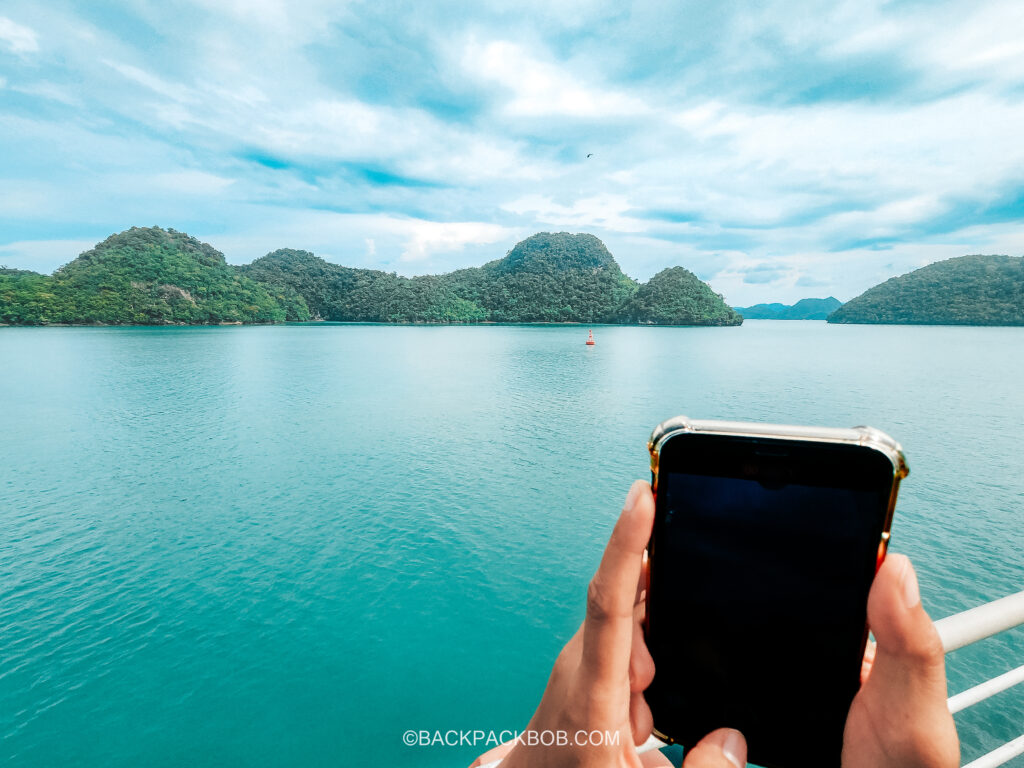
(805, 309)
(545, 278)
(155, 276)
(969, 290)
(333, 292)
(26, 298)
(145, 276)
(675, 296)
(549, 277)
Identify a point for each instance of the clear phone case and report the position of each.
(869, 437)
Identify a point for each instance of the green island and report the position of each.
(968, 290)
(805, 309)
(155, 276)
(146, 276)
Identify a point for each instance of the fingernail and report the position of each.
(911, 590)
(733, 746)
(634, 493)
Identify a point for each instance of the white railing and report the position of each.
(981, 622)
(970, 627)
(957, 631)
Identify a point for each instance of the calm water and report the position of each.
(287, 545)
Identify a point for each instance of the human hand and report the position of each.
(900, 716)
(599, 677)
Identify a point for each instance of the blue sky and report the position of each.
(777, 149)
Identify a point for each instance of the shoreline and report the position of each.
(496, 324)
(490, 323)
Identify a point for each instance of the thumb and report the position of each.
(907, 681)
(909, 659)
(724, 748)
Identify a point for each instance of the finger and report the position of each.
(641, 664)
(867, 661)
(907, 684)
(641, 583)
(608, 627)
(908, 648)
(497, 753)
(724, 748)
(654, 759)
(641, 721)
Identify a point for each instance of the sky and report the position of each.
(776, 149)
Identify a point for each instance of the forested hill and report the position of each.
(673, 297)
(548, 277)
(969, 290)
(333, 292)
(144, 276)
(545, 278)
(152, 276)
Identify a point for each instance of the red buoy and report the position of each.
(590, 338)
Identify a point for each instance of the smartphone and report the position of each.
(765, 542)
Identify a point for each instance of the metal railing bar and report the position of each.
(1000, 755)
(956, 631)
(978, 623)
(984, 690)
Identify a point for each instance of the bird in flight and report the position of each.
(591, 154)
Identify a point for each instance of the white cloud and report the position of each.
(412, 141)
(247, 95)
(425, 247)
(427, 237)
(22, 198)
(607, 211)
(715, 161)
(543, 88)
(158, 85)
(284, 21)
(564, 14)
(987, 40)
(886, 220)
(191, 182)
(850, 273)
(889, 166)
(17, 37)
(47, 90)
(710, 119)
(952, 39)
(462, 157)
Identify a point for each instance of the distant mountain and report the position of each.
(762, 311)
(805, 309)
(676, 296)
(144, 276)
(969, 290)
(155, 276)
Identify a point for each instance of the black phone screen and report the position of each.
(762, 555)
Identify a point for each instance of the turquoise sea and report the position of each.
(286, 546)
